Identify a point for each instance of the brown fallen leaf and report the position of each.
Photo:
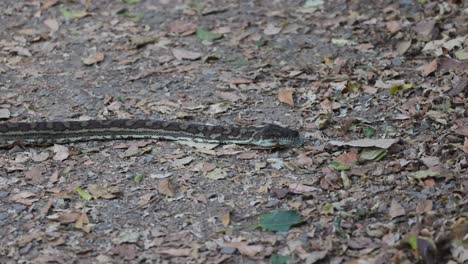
(347, 158)
(465, 145)
(61, 152)
(182, 27)
(424, 28)
(182, 54)
(165, 187)
(272, 29)
(68, 217)
(394, 26)
(286, 96)
(299, 188)
(403, 46)
(226, 218)
(177, 252)
(329, 105)
(99, 191)
(429, 68)
(35, 174)
(93, 58)
(82, 222)
(48, 3)
(24, 198)
(424, 206)
(396, 209)
(145, 199)
(461, 127)
(240, 80)
(52, 24)
(251, 250)
(366, 143)
(126, 251)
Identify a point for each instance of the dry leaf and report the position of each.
(65, 217)
(48, 3)
(145, 199)
(4, 114)
(250, 251)
(216, 174)
(286, 96)
(101, 192)
(181, 54)
(165, 187)
(329, 105)
(465, 145)
(299, 188)
(424, 28)
(24, 198)
(93, 59)
(61, 152)
(348, 158)
(393, 26)
(396, 209)
(272, 29)
(35, 174)
(177, 252)
(52, 24)
(429, 68)
(366, 143)
(403, 46)
(226, 218)
(424, 206)
(82, 222)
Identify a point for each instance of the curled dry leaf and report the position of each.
(226, 218)
(165, 187)
(93, 58)
(429, 68)
(61, 152)
(177, 252)
(299, 188)
(272, 29)
(393, 26)
(82, 222)
(24, 198)
(182, 54)
(465, 145)
(396, 209)
(286, 96)
(4, 114)
(366, 143)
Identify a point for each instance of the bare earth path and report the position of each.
(391, 74)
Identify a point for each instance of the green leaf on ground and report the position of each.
(204, 34)
(369, 132)
(423, 174)
(328, 209)
(135, 16)
(398, 87)
(197, 6)
(423, 246)
(73, 14)
(131, 2)
(279, 221)
(338, 166)
(373, 154)
(138, 178)
(83, 193)
(260, 43)
(278, 259)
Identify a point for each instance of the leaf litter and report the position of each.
(381, 177)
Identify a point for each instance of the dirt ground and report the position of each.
(378, 90)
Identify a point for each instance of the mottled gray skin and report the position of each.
(62, 132)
